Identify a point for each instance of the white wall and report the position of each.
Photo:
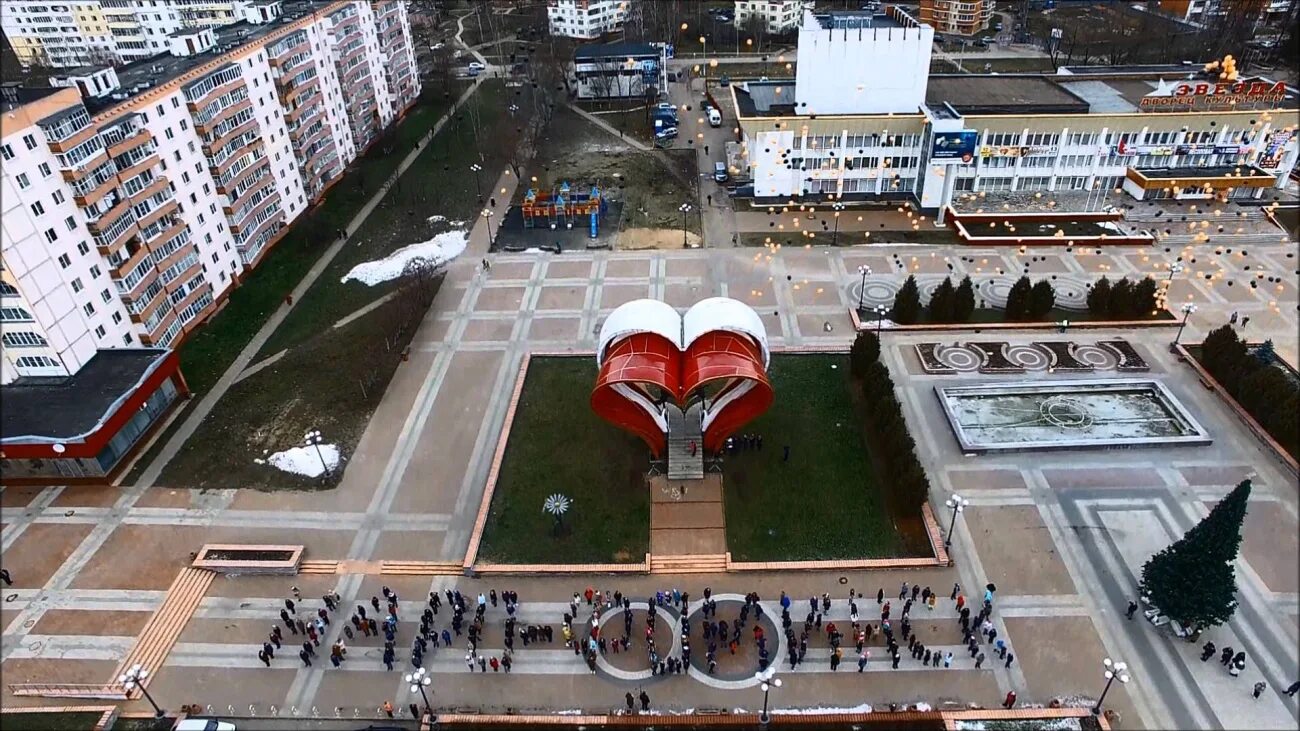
(861, 71)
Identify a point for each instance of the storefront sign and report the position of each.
(1221, 95)
(954, 145)
(1017, 151)
(1194, 149)
(1127, 149)
(1227, 149)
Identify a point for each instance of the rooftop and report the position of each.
(68, 407)
(854, 19)
(997, 94)
(14, 95)
(614, 50)
(762, 98)
(140, 76)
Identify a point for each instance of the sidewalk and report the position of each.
(210, 399)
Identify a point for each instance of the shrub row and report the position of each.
(1267, 392)
(892, 447)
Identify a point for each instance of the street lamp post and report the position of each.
(767, 682)
(478, 180)
(956, 503)
(704, 62)
(487, 215)
(1114, 670)
(835, 237)
(1188, 308)
(419, 680)
(134, 678)
(1174, 268)
(880, 311)
(313, 438)
(865, 271)
(685, 208)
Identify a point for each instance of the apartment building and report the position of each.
(70, 34)
(586, 19)
(865, 121)
(777, 16)
(1203, 12)
(135, 198)
(956, 17)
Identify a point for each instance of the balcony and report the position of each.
(291, 91)
(138, 267)
(196, 105)
(105, 222)
(166, 209)
(251, 215)
(70, 142)
(205, 127)
(144, 164)
(219, 169)
(245, 174)
(288, 54)
(137, 139)
(96, 194)
(210, 148)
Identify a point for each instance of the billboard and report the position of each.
(954, 145)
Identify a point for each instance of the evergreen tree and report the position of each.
(865, 352)
(1018, 300)
(943, 302)
(1193, 581)
(1120, 306)
(1266, 353)
(963, 303)
(1144, 298)
(1099, 298)
(1042, 298)
(907, 304)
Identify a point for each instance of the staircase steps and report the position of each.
(160, 634)
(422, 568)
(682, 430)
(318, 567)
(689, 564)
(109, 691)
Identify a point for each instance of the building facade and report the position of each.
(776, 16)
(134, 200)
(88, 32)
(586, 19)
(956, 17)
(619, 70)
(1082, 129)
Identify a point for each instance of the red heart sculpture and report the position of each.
(715, 355)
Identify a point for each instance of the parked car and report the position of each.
(715, 117)
(720, 172)
(204, 724)
(476, 66)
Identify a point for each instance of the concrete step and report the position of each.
(160, 634)
(688, 564)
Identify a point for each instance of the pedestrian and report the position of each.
(4, 576)
(785, 453)
(1225, 657)
(979, 660)
(297, 595)
(862, 660)
(880, 596)
(306, 659)
(955, 588)
(495, 664)
(947, 659)
(288, 604)
(270, 651)
(1010, 699)
(902, 592)
(631, 702)
(1259, 689)
(1010, 658)
(645, 701)
(1207, 651)
(261, 655)
(1293, 688)
(930, 603)
(1132, 609)
(388, 709)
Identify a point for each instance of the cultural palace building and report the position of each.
(864, 120)
(135, 198)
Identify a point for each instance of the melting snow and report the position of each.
(864, 708)
(437, 251)
(304, 460)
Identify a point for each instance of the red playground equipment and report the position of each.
(562, 207)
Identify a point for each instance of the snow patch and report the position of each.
(863, 708)
(1112, 226)
(305, 460)
(923, 707)
(436, 251)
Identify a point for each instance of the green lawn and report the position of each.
(212, 348)
(558, 444)
(823, 503)
(70, 721)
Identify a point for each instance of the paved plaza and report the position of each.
(1062, 534)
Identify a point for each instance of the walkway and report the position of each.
(596, 120)
(210, 399)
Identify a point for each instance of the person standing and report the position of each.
(1010, 699)
(645, 701)
(4, 576)
(306, 659)
(388, 709)
(1259, 689)
(1132, 609)
(1225, 657)
(1010, 658)
(631, 702)
(261, 655)
(1207, 651)
(979, 660)
(785, 453)
(955, 588)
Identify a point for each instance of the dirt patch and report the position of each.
(635, 239)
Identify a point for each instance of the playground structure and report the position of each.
(562, 207)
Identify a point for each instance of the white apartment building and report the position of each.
(896, 133)
(87, 32)
(778, 16)
(135, 200)
(586, 19)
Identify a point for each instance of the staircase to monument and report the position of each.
(683, 429)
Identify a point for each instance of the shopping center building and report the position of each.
(864, 120)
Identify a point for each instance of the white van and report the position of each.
(715, 117)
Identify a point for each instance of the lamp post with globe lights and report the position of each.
(487, 217)
(685, 208)
(314, 439)
(134, 678)
(865, 271)
(880, 311)
(956, 504)
(478, 180)
(837, 208)
(767, 680)
(420, 680)
(1114, 670)
(1188, 308)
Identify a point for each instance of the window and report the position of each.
(30, 141)
(176, 102)
(14, 314)
(23, 182)
(77, 285)
(185, 125)
(58, 197)
(95, 271)
(88, 308)
(37, 209)
(126, 339)
(51, 235)
(1039, 183)
(106, 296)
(117, 318)
(37, 361)
(45, 169)
(159, 108)
(65, 261)
(100, 331)
(6, 152)
(172, 135)
(71, 223)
